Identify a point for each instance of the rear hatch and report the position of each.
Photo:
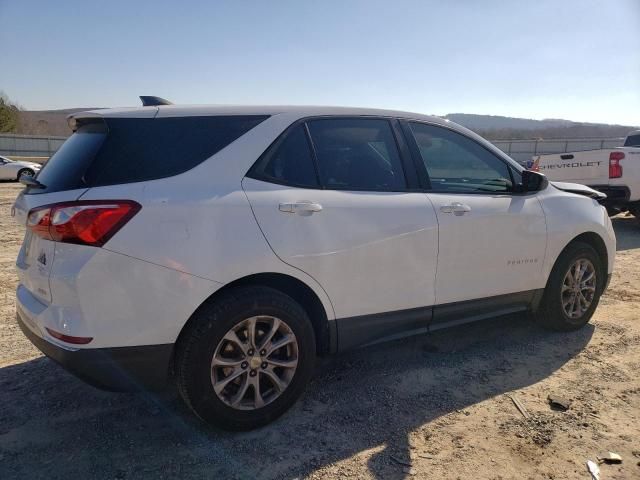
(62, 179)
(62, 182)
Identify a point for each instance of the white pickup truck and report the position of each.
(615, 172)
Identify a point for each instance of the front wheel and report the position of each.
(245, 358)
(573, 290)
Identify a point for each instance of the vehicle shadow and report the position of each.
(627, 228)
(52, 425)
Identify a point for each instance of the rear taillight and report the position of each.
(89, 222)
(615, 169)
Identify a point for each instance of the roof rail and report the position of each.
(151, 101)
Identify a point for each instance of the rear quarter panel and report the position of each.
(118, 300)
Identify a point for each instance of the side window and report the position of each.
(357, 154)
(456, 163)
(139, 149)
(290, 162)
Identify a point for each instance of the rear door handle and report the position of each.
(301, 208)
(456, 208)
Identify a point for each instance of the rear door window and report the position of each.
(357, 154)
(125, 150)
(290, 162)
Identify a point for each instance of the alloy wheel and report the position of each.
(254, 362)
(578, 288)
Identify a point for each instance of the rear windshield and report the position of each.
(125, 150)
(633, 141)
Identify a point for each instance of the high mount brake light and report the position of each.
(615, 169)
(89, 222)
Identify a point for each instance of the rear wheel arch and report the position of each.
(291, 286)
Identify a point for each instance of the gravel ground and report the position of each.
(436, 406)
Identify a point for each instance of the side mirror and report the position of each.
(533, 181)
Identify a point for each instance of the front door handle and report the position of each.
(301, 208)
(456, 208)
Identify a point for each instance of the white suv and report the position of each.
(224, 248)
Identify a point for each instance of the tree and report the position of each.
(8, 115)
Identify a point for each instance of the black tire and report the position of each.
(551, 314)
(27, 171)
(206, 329)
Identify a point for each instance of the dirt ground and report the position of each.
(431, 407)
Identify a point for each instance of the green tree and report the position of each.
(8, 115)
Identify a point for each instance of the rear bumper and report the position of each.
(117, 369)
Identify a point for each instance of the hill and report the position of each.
(492, 127)
(495, 127)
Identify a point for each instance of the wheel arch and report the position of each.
(594, 240)
(302, 293)
(24, 169)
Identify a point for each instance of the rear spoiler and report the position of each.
(77, 119)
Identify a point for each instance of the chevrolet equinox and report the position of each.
(224, 248)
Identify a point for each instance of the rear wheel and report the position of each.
(26, 172)
(573, 290)
(245, 358)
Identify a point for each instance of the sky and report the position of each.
(572, 59)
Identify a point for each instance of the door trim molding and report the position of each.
(364, 330)
(372, 328)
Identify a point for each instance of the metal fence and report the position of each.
(29, 145)
(523, 150)
(519, 150)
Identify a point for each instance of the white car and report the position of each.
(224, 248)
(13, 169)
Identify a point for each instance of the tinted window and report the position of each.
(290, 162)
(457, 163)
(357, 154)
(632, 141)
(124, 150)
(144, 149)
(64, 171)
